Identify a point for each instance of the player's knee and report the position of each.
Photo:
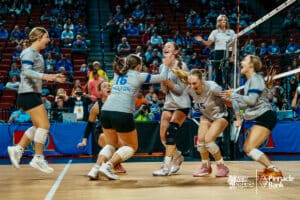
(107, 151)
(41, 135)
(171, 133)
(201, 147)
(212, 147)
(125, 152)
(101, 140)
(255, 154)
(30, 133)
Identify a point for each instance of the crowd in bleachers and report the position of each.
(135, 26)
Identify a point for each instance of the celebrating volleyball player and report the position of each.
(117, 112)
(104, 90)
(175, 110)
(29, 98)
(258, 108)
(213, 121)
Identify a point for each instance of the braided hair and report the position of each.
(122, 65)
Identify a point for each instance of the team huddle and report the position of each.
(115, 109)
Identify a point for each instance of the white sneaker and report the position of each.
(94, 173)
(41, 164)
(106, 169)
(176, 163)
(163, 171)
(14, 155)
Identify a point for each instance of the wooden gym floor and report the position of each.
(69, 181)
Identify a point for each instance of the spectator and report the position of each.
(77, 83)
(67, 37)
(58, 108)
(155, 107)
(3, 32)
(145, 37)
(52, 48)
(132, 30)
(123, 48)
(16, 54)
(80, 29)
(156, 40)
(262, 50)
(14, 70)
(49, 63)
(16, 35)
(153, 67)
(19, 116)
(273, 48)
(143, 114)
(292, 47)
(138, 13)
(295, 102)
(69, 25)
(79, 45)
(46, 102)
(101, 73)
(177, 38)
(140, 100)
(13, 84)
(194, 61)
(83, 68)
(64, 62)
(249, 48)
(156, 56)
(112, 28)
(92, 85)
(62, 94)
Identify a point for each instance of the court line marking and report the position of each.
(55, 186)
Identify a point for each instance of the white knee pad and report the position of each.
(125, 152)
(212, 147)
(41, 135)
(255, 154)
(201, 147)
(30, 132)
(107, 151)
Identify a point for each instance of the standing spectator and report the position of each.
(92, 85)
(101, 73)
(79, 104)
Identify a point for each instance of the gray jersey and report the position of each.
(31, 71)
(221, 38)
(126, 88)
(177, 98)
(255, 99)
(209, 102)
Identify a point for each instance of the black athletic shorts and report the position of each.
(268, 120)
(186, 111)
(120, 121)
(29, 100)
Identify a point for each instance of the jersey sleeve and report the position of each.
(154, 78)
(27, 61)
(257, 85)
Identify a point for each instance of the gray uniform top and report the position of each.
(255, 100)
(177, 98)
(31, 71)
(221, 38)
(209, 102)
(125, 89)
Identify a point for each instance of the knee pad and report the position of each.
(125, 152)
(30, 132)
(41, 135)
(255, 154)
(201, 147)
(212, 147)
(171, 133)
(107, 151)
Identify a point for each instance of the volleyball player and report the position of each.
(29, 98)
(256, 107)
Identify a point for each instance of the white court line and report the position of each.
(58, 181)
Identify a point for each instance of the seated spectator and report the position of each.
(77, 83)
(13, 84)
(79, 45)
(123, 48)
(62, 94)
(49, 63)
(19, 116)
(132, 30)
(194, 61)
(101, 73)
(16, 35)
(188, 41)
(273, 48)
(145, 37)
(143, 114)
(207, 24)
(156, 56)
(153, 67)
(185, 56)
(148, 53)
(3, 32)
(46, 102)
(272, 101)
(16, 54)
(288, 20)
(52, 48)
(156, 40)
(69, 24)
(138, 13)
(249, 48)
(64, 62)
(58, 108)
(83, 68)
(14, 70)
(67, 37)
(45, 17)
(292, 47)
(177, 38)
(262, 50)
(81, 29)
(54, 31)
